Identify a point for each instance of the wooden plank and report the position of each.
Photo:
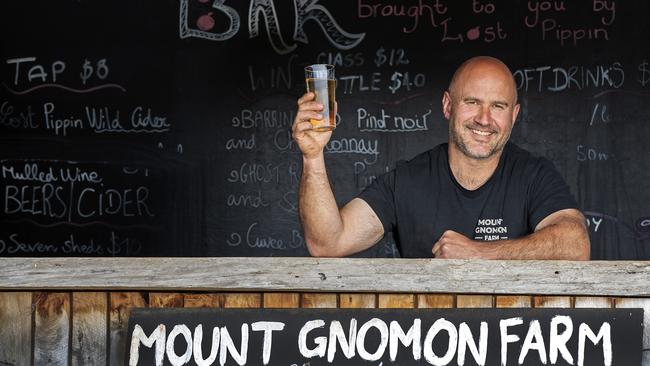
(513, 301)
(435, 301)
(552, 302)
(358, 301)
(120, 305)
(165, 300)
(16, 328)
(203, 300)
(474, 301)
(373, 275)
(242, 300)
(593, 302)
(51, 328)
(396, 301)
(645, 305)
(89, 340)
(281, 300)
(316, 300)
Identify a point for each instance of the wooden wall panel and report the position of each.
(474, 301)
(165, 300)
(242, 300)
(593, 302)
(318, 300)
(52, 328)
(89, 340)
(120, 305)
(281, 300)
(396, 301)
(203, 300)
(513, 301)
(435, 301)
(552, 302)
(357, 301)
(16, 328)
(71, 328)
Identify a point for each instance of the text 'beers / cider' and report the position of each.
(320, 81)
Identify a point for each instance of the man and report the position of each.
(478, 196)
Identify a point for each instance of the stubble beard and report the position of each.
(457, 140)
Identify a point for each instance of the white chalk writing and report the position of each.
(367, 122)
(557, 79)
(304, 12)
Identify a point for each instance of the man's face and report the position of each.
(481, 110)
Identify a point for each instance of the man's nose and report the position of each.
(483, 116)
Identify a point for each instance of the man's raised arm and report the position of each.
(329, 232)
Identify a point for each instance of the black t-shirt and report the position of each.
(420, 199)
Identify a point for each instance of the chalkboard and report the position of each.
(163, 127)
(384, 336)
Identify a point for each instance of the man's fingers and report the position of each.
(449, 233)
(302, 127)
(306, 97)
(310, 106)
(307, 115)
(436, 249)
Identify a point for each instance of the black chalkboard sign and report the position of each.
(163, 127)
(384, 337)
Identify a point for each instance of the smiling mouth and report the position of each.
(481, 133)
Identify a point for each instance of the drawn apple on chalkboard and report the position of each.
(205, 22)
(473, 33)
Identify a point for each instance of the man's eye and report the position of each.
(499, 107)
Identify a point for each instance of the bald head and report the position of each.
(481, 67)
(481, 106)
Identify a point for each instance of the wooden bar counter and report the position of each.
(61, 311)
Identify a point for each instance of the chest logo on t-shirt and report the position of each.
(490, 229)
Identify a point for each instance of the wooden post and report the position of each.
(52, 328)
(16, 328)
(120, 307)
(89, 340)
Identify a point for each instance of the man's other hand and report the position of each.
(453, 245)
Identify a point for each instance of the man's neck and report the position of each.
(471, 173)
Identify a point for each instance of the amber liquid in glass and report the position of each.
(325, 90)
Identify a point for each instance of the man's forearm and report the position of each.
(567, 239)
(319, 212)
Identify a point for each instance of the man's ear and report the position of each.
(515, 113)
(446, 104)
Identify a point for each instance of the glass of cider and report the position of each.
(320, 81)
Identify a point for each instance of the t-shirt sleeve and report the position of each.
(549, 193)
(380, 196)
